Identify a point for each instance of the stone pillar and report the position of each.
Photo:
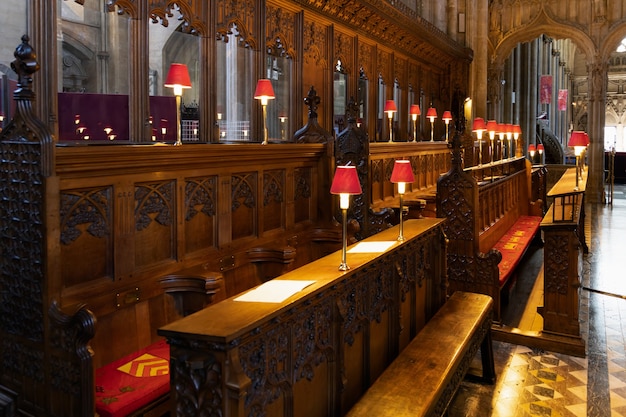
(477, 30)
(597, 75)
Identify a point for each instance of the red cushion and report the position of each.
(514, 243)
(133, 381)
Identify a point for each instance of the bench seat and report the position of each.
(134, 382)
(514, 243)
(424, 377)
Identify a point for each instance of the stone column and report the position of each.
(597, 75)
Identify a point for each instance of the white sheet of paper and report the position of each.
(371, 247)
(274, 291)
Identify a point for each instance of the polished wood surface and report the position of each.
(481, 203)
(424, 377)
(316, 352)
(564, 236)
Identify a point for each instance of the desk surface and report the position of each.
(228, 319)
(567, 184)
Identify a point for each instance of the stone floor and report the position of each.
(532, 382)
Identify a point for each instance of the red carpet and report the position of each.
(514, 243)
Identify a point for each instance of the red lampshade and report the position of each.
(531, 148)
(540, 148)
(479, 125)
(390, 106)
(577, 139)
(402, 171)
(492, 127)
(415, 110)
(178, 76)
(264, 90)
(447, 116)
(515, 129)
(431, 114)
(345, 181)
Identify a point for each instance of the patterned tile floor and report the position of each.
(532, 382)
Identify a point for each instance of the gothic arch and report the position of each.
(611, 41)
(543, 25)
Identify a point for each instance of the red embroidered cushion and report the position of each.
(133, 381)
(513, 244)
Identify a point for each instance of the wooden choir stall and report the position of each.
(108, 244)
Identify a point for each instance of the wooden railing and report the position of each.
(564, 235)
(480, 204)
(316, 352)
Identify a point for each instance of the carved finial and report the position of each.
(25, 65)
(312, 100)
(352, 111)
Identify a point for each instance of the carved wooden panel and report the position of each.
(318, 356)
(273, 199)
(280, 31)
(239, 13)
(365, 59)
(303, 204)
(344, 51)
(169, 12)
(200, 213)
(244, 203)
(155, 226)
(86, 234)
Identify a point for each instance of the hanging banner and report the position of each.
(562, 100)
(545, 89)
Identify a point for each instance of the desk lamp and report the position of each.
(478, 127)
(447, 116)
(431, 115)
(264, 92)
(578, 141)
(402, 174)
(345, 183)
(492, 128)
(390, 109)
(415, 111)
(178, 79)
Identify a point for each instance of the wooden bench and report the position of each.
(423, 379)
(492, 220)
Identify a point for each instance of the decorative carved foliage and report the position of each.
(344, 50)
(22, 238)
(181, 11)
(280, 29)
(243, 187)
(273, 186)
(239, 14)
(557, 262)
(122, 7)
(315, 37)
(154, 201)
(85, 207)
(366, 52)
(200, 192)
(266, 361)
(312, 338)
(302, 179)
(198, 380)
